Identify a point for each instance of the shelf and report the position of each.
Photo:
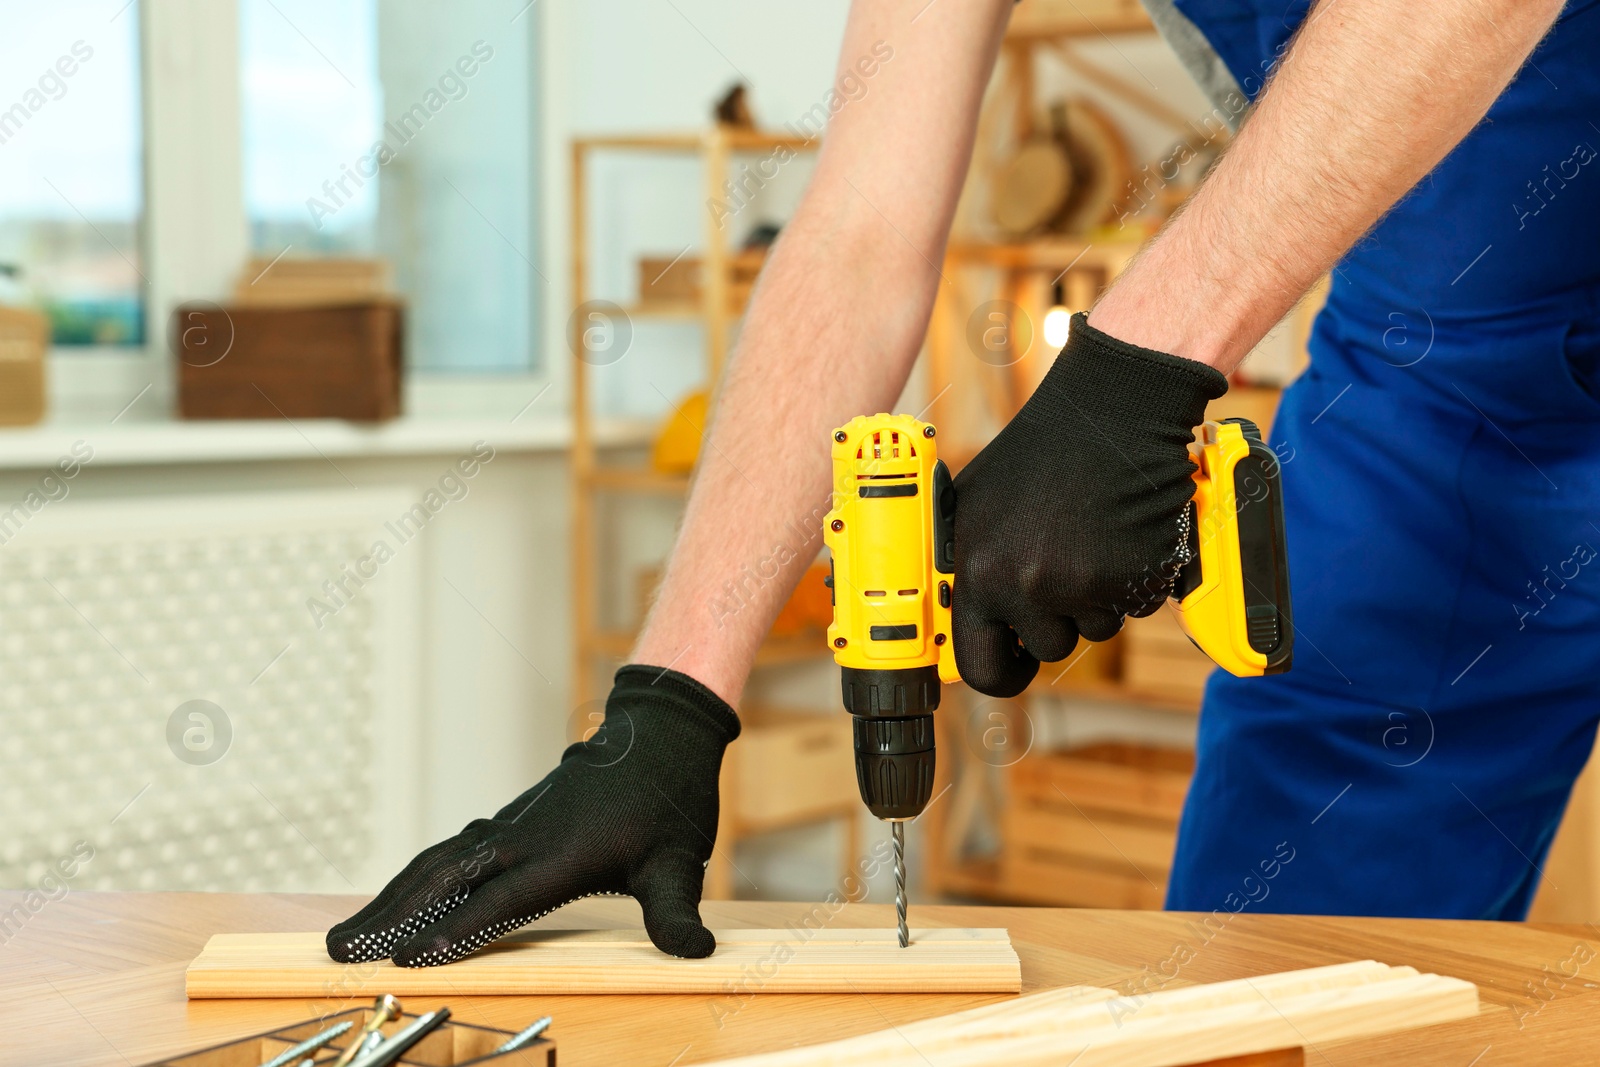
(1046, 253)
(639, 480)
(179, 441)
(733, 138)
(774, 651)
(1050, 19)
(687, 310)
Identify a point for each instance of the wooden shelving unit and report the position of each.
(801, 763)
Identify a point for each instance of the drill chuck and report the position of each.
(893, 725)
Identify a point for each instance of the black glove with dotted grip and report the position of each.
(632, 810)
(1073, 516)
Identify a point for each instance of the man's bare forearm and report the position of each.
(1370, 97)
(832, 331)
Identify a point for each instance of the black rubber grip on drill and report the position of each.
(895, 765)
(877, 694)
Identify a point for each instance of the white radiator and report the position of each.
(179, 713)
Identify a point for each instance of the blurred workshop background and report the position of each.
(353, 356)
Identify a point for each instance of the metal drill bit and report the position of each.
(526, 1037)
(401, 1040)
(310, 1044)
(897, 830)
(385, 1009)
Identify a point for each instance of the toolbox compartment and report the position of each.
(453, 1044)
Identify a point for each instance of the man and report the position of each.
(1441, 474)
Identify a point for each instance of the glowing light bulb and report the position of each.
(1058, 320)
(1057, 325)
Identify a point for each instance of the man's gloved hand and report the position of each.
(1073, 516)
(632, 810)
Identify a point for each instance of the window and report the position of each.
(71, 194)
(404, 130)
(311, 104)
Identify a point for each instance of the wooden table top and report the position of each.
(97, 978)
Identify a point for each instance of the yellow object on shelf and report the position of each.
(677, 445)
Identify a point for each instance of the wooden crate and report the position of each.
(24, 340)
(792, 767)
(452, 1044)
(664, 280)
(1093, 826)
(1159, 661)
(338, 361)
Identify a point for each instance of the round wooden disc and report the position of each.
(1101, 168)
(1031, 187)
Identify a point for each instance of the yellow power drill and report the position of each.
(891, 533)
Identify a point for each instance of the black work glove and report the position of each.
(1076, 514)
(632, 810)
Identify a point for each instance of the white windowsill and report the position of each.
(128, 443)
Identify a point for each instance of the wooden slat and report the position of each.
(796, 960)
(1090, 1026)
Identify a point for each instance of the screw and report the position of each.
(839, 642)
(938, 639)
(385, 1009)
(838, 524)
(840, 436)
(927, 431)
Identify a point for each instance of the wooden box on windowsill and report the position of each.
(24, 339)
(329, 361)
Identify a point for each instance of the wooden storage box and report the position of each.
(453, 1044)
(24, 340)
(336, 361)
(664, 280)
(1159, 661)
(792, 767)
(1093, 826)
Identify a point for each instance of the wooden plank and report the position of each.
(1088, 1025)
(795, 960)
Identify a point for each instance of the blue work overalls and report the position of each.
(1441, 474)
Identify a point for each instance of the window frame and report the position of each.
(194, 231)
